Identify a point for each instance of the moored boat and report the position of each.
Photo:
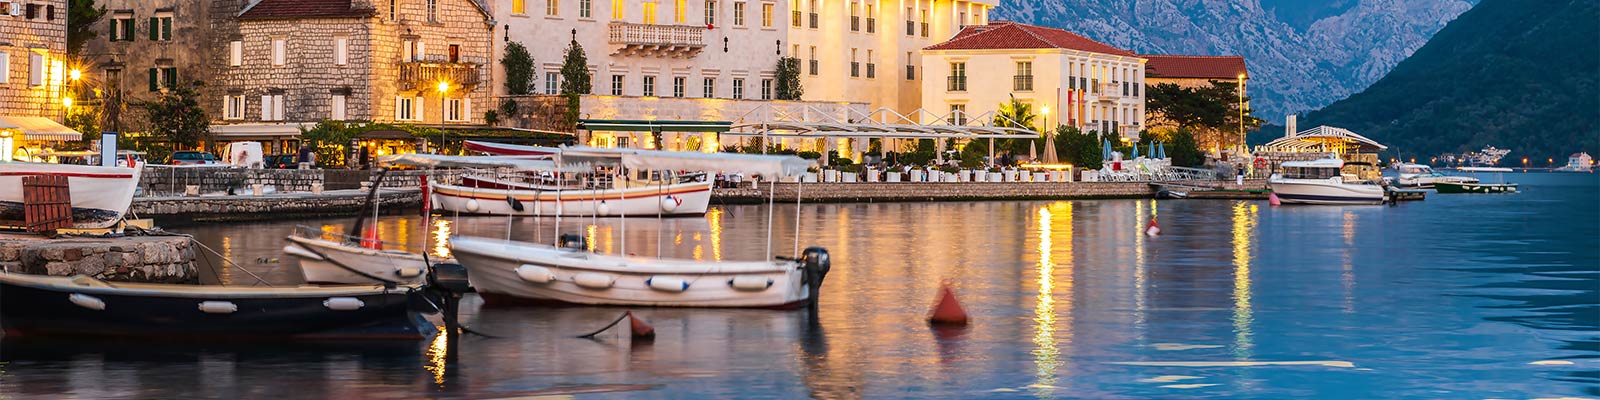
(100, 195)
(1321, 182)
(666, 199)
(353, 264)
(1476, 187)
(1423, 176)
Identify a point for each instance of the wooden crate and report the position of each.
(46, 203)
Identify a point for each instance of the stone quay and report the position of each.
(150, 259)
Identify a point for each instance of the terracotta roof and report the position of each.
(270, 9)
(1208, 67)
(1012, 35)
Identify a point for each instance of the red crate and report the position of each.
(46, 203)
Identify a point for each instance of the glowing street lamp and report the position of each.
(75, 74)
(66, 101)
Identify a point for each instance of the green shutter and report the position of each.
(166, 28)
(155, 28)
(172, 77)
(127, 29)
(113, 26)
(153, 82)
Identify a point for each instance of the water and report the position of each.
(1452, 297)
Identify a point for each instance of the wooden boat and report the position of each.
(1478, 187)
(81, 305)
(314, 252)
(100, 195)
(1321, 182)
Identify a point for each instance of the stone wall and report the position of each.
(166, 181)
(21, 36)
(172, 210)
(933, 191)
(309, 78)
(161, 259)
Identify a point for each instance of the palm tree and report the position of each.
(1015, 114)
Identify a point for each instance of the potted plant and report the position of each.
(995, 175)
(893, 175)
(851, 172)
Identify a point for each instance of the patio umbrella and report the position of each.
(1162, 149)
(1033, 150)
(1151, 149)
(1105, 150)
(1050, 150)
(1135, 149)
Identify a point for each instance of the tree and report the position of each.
(1211, 112)
(575, 80)
(81, 17)
(519, 69)
(1179, 144)
(1081, 149)
(178, 115)
(788, 85)
(1015, 114)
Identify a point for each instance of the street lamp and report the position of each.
(443, 88)
(75, 74)
(1240, 91)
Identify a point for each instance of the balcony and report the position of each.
(1108, 92)
(924, 29)
(957, 83)
(426, 75)
(675, 41)
(855, 23)
(911, 28)
(1022, 83)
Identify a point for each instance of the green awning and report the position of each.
(625, 125)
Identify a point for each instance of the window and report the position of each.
(738, 88)
(233, 107)
(551, 7)
(457, 110)
(161, 28)
(872, 20)
(911, 26)
(872, 69)
(650, 12)
(710, 88)
(616, 85)
(280, 49)
(678, 83)
(855, 16)
(433, 10)
(649, 85)
(961, 19)
(814, 63)
(341, 51)
(766, 89)
(766, 15)
(338, 108)
(924, 23)
(519, 7)
(813, 14)
(122, 28)
(855, 66)
(680, 11)
(272, 107)
(958, 114)
(958, 77)
(1024, 80)
(408, 108)
(618, 12)
(392, 7)
(711, 12)
(35, 69)
(5, 67)
(235, 53)
(552, 82)
(794, 12)
(585, 8)
(738, 13)
(911, 70)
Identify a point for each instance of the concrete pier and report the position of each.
(158, 259)
(180, 210)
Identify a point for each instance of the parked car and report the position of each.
(281, 161)
(193, 158)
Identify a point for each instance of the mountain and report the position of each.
(1302, 54)
(1516, 74)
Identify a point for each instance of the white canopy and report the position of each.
(436, 161)
(769, 166)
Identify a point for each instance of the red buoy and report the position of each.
(1153, 229)
(641, 330)
(369, 239)
(947, 311)
(1272, 198)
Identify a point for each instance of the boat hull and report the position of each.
(496, 270)
(1475, 187)
(683, 199)
(100, 195)
(405, 268)
(1326, 192)
(32, 305)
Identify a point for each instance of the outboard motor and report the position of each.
(572, 241)
(815, 264)
(449, 282)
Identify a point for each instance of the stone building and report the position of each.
(143, 48)
(33, 74)
(297, 62)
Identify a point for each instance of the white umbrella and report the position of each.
(1033, 150)
(1050, 149)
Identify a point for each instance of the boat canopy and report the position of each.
(1326, 138)
(1319, 163)
(437, 161)
(1485, 169)
(769, 166)
(502, 149)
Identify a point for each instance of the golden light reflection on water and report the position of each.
(437, 350)
(1347, 279)
(1244, 222)
(588, 237)
(1139, 240)
(1047, 352)
(226, 274)
(441, 238)
(714, 216)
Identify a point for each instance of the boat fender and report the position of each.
(750, 283)
(593, 280)
(670, 203)
(472, 205)
(667, 284)
(87, 301)
(535, 274)
(603, 209)
(218, 307)
(408, 272)
(343, 303)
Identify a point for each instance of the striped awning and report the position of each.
(626, 125)
(38, 129)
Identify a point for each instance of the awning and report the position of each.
(878, 130)
(1326, 138)
(39, 128)
(258, 130)
(625, 125)
(387, 134)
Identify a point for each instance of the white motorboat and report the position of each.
(1423, 176)
(353, 264)
(645, 199)
(100, 195)
(1321, 182)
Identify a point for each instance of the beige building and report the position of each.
(33, 75)
(143, 48)
(1195, 72)
(1068, 79)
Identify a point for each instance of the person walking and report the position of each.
(305, 158)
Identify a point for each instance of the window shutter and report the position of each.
(5, 67)
(341, 49)
(466, 109)
(338, 107)
(227, 107)
(166, 28)
(155, 28)
(112, 25)
(155, 81)
(266, 107)
(172, 77)
(421, 50)
(236, 53)
(416, 106)
(398, 107)
(405, 51)
(277, 107)
(127, 29)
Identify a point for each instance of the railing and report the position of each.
(1022, 83)
(872, 25)
(855, 69)
(872, 70)
(419, 75)
(1108, 92)
(795, 15)
(911, 28)
(624, 33)
(911, 72)
(815, 66)
(814, 18)
(924, 29)
(855, 23)
(957, 83)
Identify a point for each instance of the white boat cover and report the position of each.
(502, 149)
(439, 160)
(769, 166)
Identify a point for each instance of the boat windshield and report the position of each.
(1309, 172)
(1416, 169)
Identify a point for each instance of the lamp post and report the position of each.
(1240, 90)
(444, 87)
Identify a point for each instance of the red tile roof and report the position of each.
(271, 9)
(1012, 35)
(1207, 67)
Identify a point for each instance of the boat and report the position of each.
(687, 197)
(1423, 176)
(1321, 182)
(354, 261)
(1488, 156)
(1476, 187)
(100, 195)
(38, 305)
(512, 272)
(1578, 162)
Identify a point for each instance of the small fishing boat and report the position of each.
(1322, 182)
(354, 261)
(83, 306)
(100, 195)
(1500, 187)
(1423, 176)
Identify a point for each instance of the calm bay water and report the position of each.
(1452, 297)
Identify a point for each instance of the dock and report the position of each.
(167, 258)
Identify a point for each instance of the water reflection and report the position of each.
(1044, 312)
(1244, 221)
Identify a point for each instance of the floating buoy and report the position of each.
(472, 205)
(218, 307)
(641, 330)
(1272, 198)
(343, 303)
(750, 283)
(369, 239)
(667, 284)
(593, 280)
(947, 311)
(535, 274)
(427, 196)
(1153, 229)
(87, 301)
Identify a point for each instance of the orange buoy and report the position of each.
(369, 239)
(947, 311)
(641, 330)
(1272, 198)
(1153, 229)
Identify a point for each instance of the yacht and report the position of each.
(1321, 182)
(1423, 176)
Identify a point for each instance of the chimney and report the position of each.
(1288, 126)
